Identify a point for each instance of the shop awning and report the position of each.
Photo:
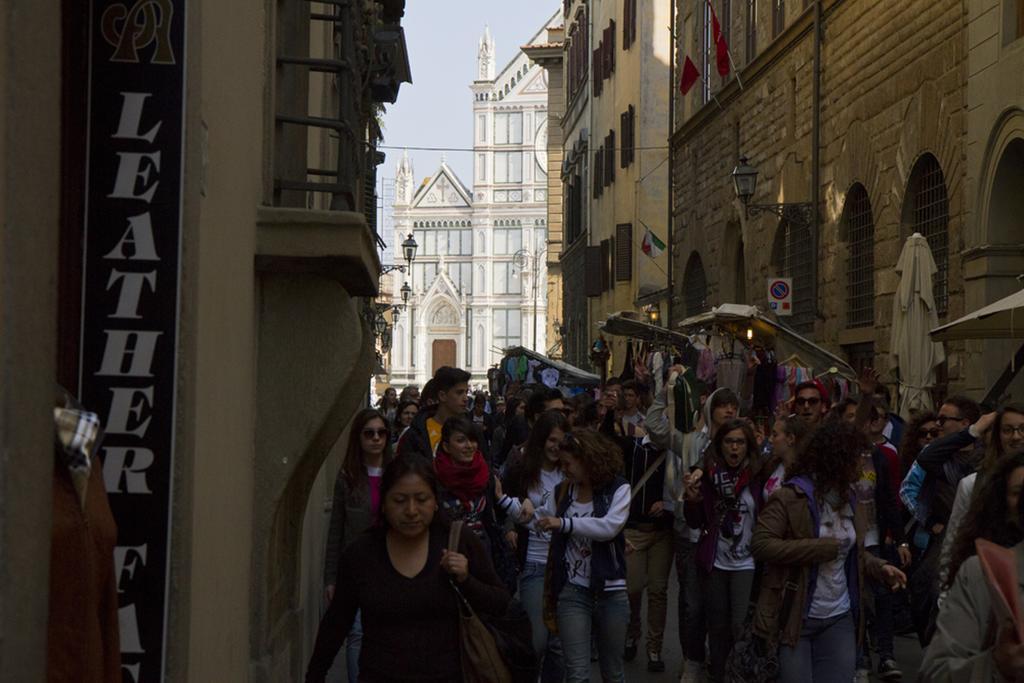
(570, 375)
(736, 319)
(1003, 319)
(625, 324)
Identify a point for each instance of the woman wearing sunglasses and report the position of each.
(722, 501)
(587, 587)
(356, 507)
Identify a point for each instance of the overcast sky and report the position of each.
(436, 109)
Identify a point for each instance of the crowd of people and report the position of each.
(803, 541)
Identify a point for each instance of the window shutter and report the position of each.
(611, 45)
(624, 252)
(624, 128)
(609, 160)
(632, 21)
(609, 264)
(625, 25)
(598, 172)
(592, 271)
(632, 134)
(606, 263)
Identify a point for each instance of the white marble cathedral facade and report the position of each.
(479, 276)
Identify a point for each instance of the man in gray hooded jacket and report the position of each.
(686, 453)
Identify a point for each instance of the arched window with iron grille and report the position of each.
(791, 257)
(859, 234)
(926, 210)
(695, 286)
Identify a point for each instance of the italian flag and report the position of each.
(652, 246)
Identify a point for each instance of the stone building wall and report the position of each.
(892, 90)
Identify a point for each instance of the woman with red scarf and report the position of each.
(469, 492)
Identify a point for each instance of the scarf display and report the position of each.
(77, 432)
(466, 481)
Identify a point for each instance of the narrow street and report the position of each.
(908, 652)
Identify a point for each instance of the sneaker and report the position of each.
(862, 676)
(654, 663)
(629, 654)
(691, 672)
(888, 670)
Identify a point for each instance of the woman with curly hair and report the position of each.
(722, 502)
(585, 518)
(529, 484)
(810, 539)
(968, 642)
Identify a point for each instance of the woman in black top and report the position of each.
(398, 575)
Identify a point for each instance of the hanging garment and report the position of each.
(687, 400)
(764, 384)
(521, 367)
(706, 367)
(731, 372)
(549, 377)
(627, 366)
(531, 371)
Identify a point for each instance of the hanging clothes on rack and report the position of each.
(687, 400)
(627, 366)
(764, 382)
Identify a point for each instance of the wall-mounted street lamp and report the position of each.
(409, 248)
(406, 293)
(653, 312)
(744, 178)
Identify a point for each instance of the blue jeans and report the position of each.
(693, 628)
(578, 609)
(881, 623)
(826, 652)
(547, 646)
(353, 646)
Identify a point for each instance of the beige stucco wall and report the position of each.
(229, 136)
(639, 194)
(29, 187)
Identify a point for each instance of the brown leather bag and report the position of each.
(479, 654)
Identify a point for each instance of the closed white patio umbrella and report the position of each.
(913, 317)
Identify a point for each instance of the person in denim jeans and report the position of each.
(588, 578)
(810, 541)
(528, 485)
(355, 508)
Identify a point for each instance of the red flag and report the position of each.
(689, 77)
(721, 47)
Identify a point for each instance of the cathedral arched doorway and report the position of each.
(443, 352)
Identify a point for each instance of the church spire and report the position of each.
(404, 180)
(485, 56)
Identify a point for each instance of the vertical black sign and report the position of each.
(130, 296)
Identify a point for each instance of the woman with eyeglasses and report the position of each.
(587, 588)
(810, 541)
(922, 430)
(529, 485)
(355, 507)
(722, 501)
(1004, 434)
(970, 642)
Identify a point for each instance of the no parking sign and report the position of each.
(780, 295)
